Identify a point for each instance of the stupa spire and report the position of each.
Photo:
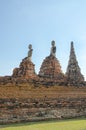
(53, 49)
(50, 67)
(73, 73)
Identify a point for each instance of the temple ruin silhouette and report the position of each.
(50, 72)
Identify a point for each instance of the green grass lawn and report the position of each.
(75, 124)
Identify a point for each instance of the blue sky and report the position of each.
(38, 22)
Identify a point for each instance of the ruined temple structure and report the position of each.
(51, 68)
(26, 69)
(50, 71)
(73, 73)
(21, 101)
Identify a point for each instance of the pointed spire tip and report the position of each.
(72, 43)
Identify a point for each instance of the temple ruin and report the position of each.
(26, 96)
(50, 72)
(73, 73)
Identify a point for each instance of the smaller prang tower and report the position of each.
(73, 74)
